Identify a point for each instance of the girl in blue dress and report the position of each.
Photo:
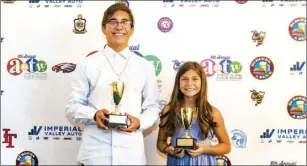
(190, 91)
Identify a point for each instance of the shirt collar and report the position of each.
(110, 52)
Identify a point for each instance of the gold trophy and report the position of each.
(186, 141)
(116, 118)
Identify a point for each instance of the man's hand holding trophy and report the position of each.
(116, 119)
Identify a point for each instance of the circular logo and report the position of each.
(156, 62)
(262, 68)
(165, 24)
(209, 67)
(26, 158)
(223, 160)
(297, 107)
(238, 138)
(297, 29)
(235, 67)
(241, 1)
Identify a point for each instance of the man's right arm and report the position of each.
(78, 109)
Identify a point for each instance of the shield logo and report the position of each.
(79, 25)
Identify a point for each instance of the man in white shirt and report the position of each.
(91, 100)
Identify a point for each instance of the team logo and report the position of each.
(177, 64)
(297, 29)
(262, 68)
(297, 107)
(258, 96)
(238, 138)
(79, 25)
(165, 24)
(241, 1)
(258, 37)
(156, 62)
(8, 138)
(26, 158)
(223, 160)
(64, 67)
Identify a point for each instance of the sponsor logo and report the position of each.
(33, 68)
(224, 68)
(238, 138)
(297, 29)
(165, 24)
(56, 132)
(8, 138)
(297, 68)
(283, 135)
(79, 25)
(262, 68)
(26, 158)
(156, 62)
(297, 107)
(177, 64)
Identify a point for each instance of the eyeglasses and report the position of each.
(124, 24)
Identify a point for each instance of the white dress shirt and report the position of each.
(91, 90)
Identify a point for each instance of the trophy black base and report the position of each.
(116, 121)
(185, 143)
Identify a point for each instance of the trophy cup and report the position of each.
(186, 141)
(116, 118)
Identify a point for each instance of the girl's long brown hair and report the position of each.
(170, 121)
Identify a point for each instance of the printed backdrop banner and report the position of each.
(253, 54)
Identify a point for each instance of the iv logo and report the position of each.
(156, 62)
